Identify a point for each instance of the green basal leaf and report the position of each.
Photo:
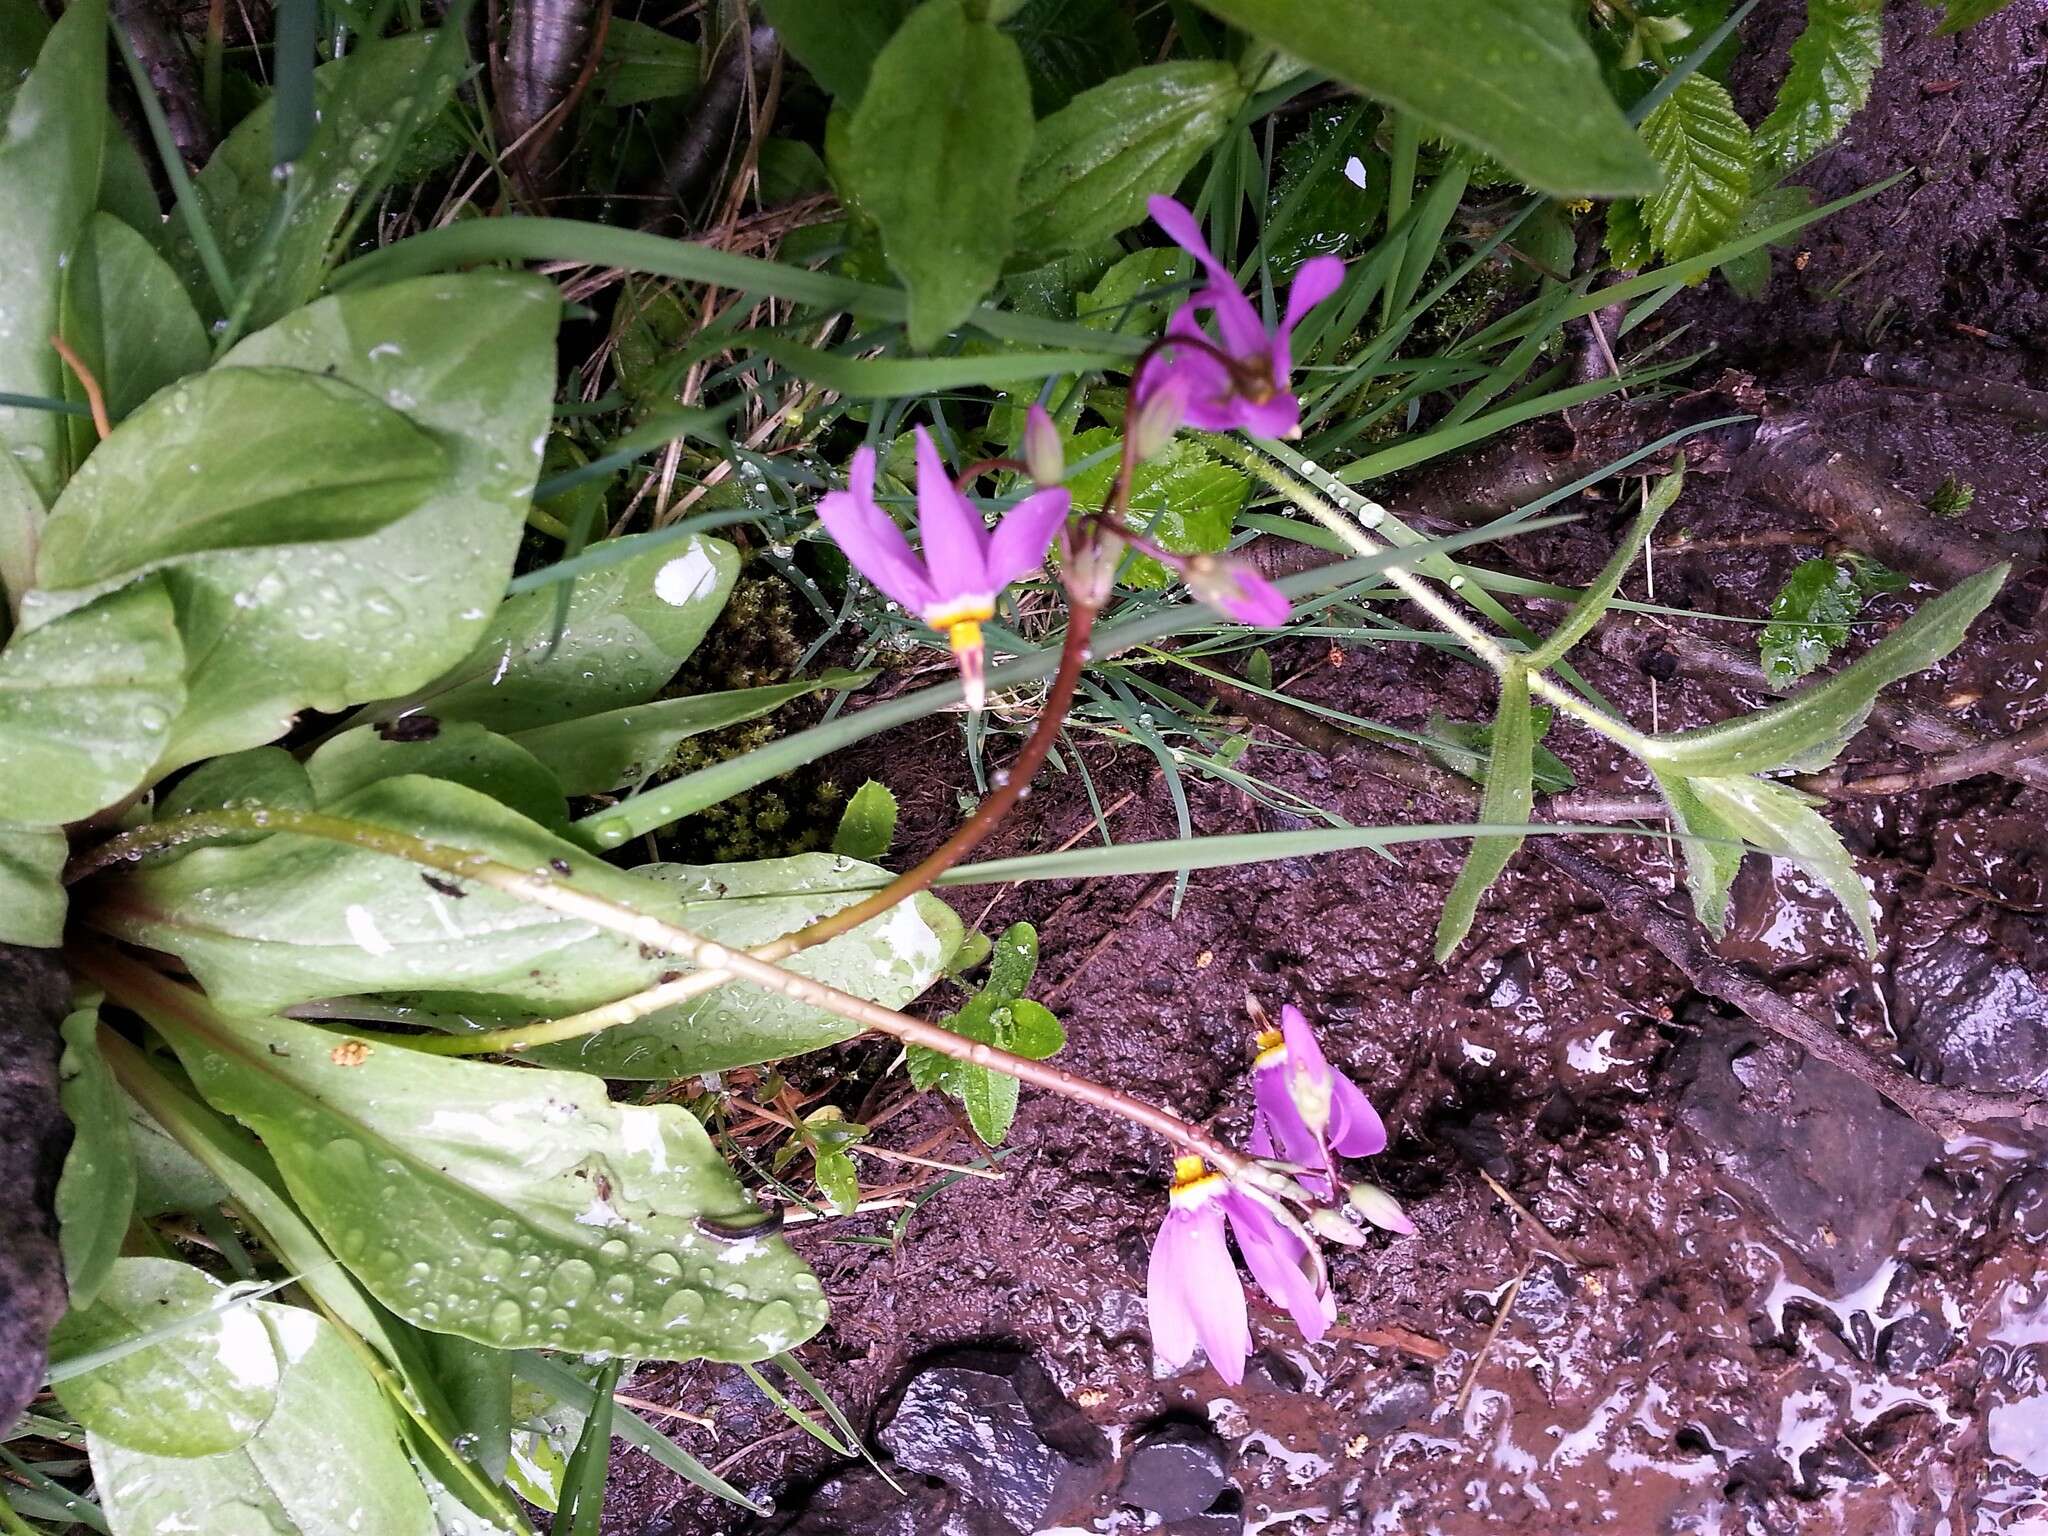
(21, 525)
(326, 1463)
(838, 41)
(643, 63)
(630, 625)
(292, 918)
(477, 1381)
(998, 1015)
(51, 145)
(168, 1179)
(868, 824)
(583, 1478)
(368, 102)
(1812, 613)
(96, 1192)
(236, 459)
(1181, 498)
(1833, 63)
(1094, 162)
(262, 776)
(469, 359)
(1136, 295)
(515, 1207)
(1515, 80)
(1806, 732)
(189, 1371)
(1702, 147)
(1013, 961)
(838, 1181)
(86, 704)
(1508, 799)
(127, 315)
(31, 894)
(934, 154)
(459, 752)
(600, 753)
(1713, 850)
(1783, 821)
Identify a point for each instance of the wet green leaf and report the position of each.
(934, 154)
(327, 1462)
(1959, 14)
(1013, 962)
(269, 777)
(86, 704)
(96, 1193)
(167, 1178)
(604, 752)
(1094, 162)
(205, 1383)
(1182, 499)
(868, 824)
(477, 1381)
(469, 359)
(1807, 731)
(998, 1015)
(1136, 295)
(838, 1181)
(1781, 820)
(1702, 147)
(630, 625)
(519, 1208)
(460, 752)
(1833, 62)
(1069, 45)
(643, 63)
(1329, 187)
(1750, 273)
(1514, 79)
(1508, 799)
(583, 1479)
(51, 144)
(239, 459)
(1812, 613)
(31, 895)
(838, 41)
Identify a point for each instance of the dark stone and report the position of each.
(1806, 1148)
(1395, 1406)
(1223, 1518)
(1917, 1342)
(34, 1136)
(1273, 1371)
(859, 1502)
(1975, 1020)
(1545, 1298)
(1175, 1470)
(993, 1426)
(2025, 1204)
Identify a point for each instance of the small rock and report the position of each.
(860, 1502)
(1395, 1406)
(1175, 1470)
(1805, 1147)
(993, 1426)
(2025, 1202)
(1975, 1021)
(1223, 1518)
(1274, 1372)
(1917, 1342)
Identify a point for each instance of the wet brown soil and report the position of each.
(1788, 1309)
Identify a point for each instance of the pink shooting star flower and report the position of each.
(1236, 378)
(1193, 1293)
(965, 565)
(1307, 1109)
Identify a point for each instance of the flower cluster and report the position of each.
(1236, 378)
(1306, 1112)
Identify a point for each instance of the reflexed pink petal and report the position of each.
(1281, 1119)
(1304, 1051)
(869, 537)
(1274, 1256)
(1021, 539)
(954, 536)
(1356, 1129)
(1278, 417)
(1318, 278)
(1236, 590)
(1244, 333)
(1193, 1293)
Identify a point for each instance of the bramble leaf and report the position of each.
(1833, 62)
(1702, 146)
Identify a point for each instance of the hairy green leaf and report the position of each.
(1782, 821)
(326, 1463)
(187, 1371)
(1094, 162)
(86, 704)
(868, 824)
(518, 1208)
(1702, 147)
(1713, 849)
(934, 154)
(1507, 801)
(1513, 78)
(96, 1192)
(1833, 62)
(1812, 613)
(838, 41)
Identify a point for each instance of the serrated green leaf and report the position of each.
(934, 154)
(1135, 295)
(1833, 62)
(868, 824)
(1713, 850)
(603, 752)
(519, 1208)
(1329, 188)
(1808, 731)
(1750, 273)
(205, 1383)
(1702, 147)
(1783, 821)
(96, 1192)
(87, 703)
(1810, 616)
(460, 752)
(1960, 14)
(1182, 498)
(326, 1463)
(469, 358)
(31, 893)
(1508, 799)
(1094, 162)
(1515, 80)
(1627, 236)
(838, 41)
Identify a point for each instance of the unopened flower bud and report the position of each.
(1332, 1227)
(1236, 590)
(1381, 1209)
(1045, 456)
(1089, 556)
(1157, 416)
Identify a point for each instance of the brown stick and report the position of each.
(1949, 768)
(2014, 400)
(1945, 1111)
(171, 75)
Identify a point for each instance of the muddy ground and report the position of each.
(1789, 1308)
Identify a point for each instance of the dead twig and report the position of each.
(2014, 400)
(1948, 768)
